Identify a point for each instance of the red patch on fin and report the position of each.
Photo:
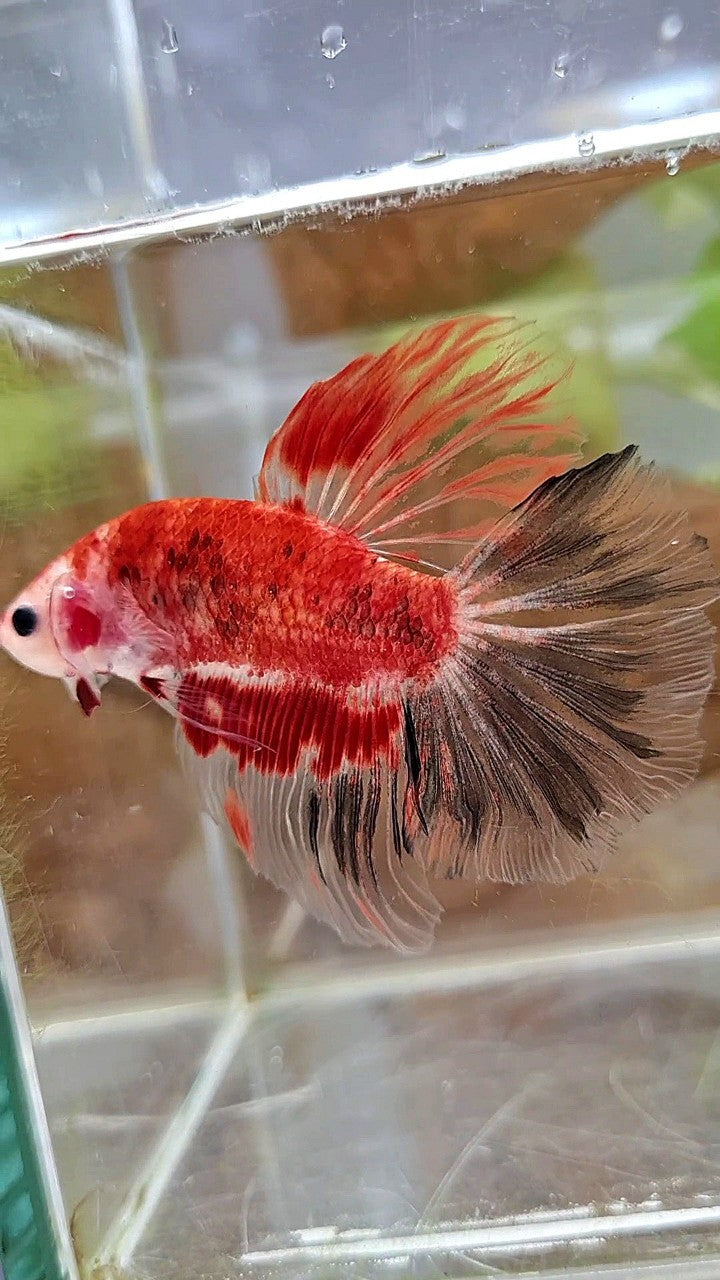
(454, 412)
(269, 726)
(237, 816)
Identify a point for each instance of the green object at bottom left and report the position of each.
(28, 1247)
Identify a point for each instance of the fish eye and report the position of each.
(24, 620)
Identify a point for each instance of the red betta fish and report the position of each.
(362, 722)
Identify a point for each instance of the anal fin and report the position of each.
(310, 817)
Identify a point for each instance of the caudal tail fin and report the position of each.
(573, 701)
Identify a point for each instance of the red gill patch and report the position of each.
(83, 627)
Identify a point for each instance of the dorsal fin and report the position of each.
(455, 414)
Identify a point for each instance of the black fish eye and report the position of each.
(24, 620)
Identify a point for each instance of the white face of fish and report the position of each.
(26, 630)
(81, 631)
(53, 627)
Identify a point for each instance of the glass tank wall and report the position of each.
(229, 1090)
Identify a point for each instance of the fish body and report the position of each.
(259, 586)
(360, 721)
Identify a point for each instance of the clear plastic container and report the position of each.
(228, 1090)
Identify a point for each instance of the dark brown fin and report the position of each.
(548, 733)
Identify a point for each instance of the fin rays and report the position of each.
(403, 436)
(560, 734)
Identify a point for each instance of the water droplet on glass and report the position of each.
(561, 66)
(332, 41)
(169, 43)
(455, 116)
(586, 145)
(670, 27)
(95, 184)
(672, 163)
(157, 185)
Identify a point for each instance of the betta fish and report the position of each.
(362, 721)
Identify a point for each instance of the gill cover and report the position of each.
(77, 630)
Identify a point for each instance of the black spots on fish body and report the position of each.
(355, 614)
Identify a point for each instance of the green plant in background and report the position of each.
(565, 305)
(578, 318)
(694, 343)
(46, 456)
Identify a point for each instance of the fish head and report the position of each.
(80, 629)
(55, 627)
(27, 632)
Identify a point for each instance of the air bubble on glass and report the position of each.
(670, 27)
(455, 116)
(169, 42)
(332, 41)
